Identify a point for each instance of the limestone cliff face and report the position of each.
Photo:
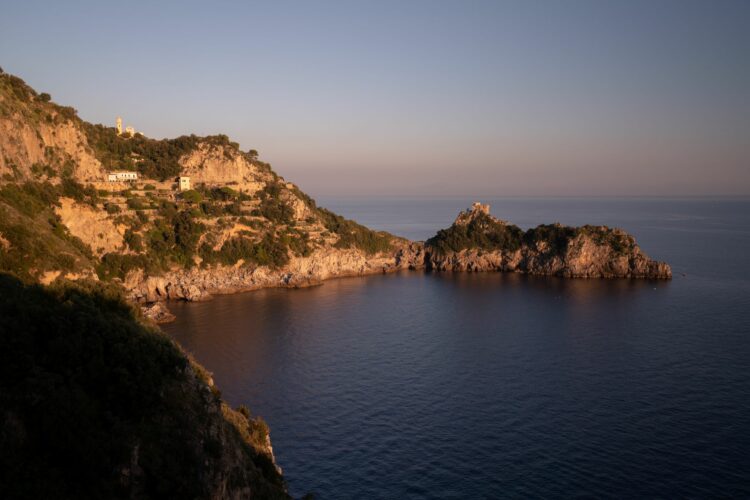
(199, 284)
(245, 211)
(92, 226)
(219, 165)
(587, 258)
(36, 133)
(587, 252)
(62, 145)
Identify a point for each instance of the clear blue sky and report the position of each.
(462, 98)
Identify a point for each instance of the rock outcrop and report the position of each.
(199, 284)
(220, 165)
(554, 250)
(35, 133)
(245, 227)
(92, 226)
(479, 242)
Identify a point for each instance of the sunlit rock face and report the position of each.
(477, 241)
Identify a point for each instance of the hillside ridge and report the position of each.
(235, 225)
(241, 226)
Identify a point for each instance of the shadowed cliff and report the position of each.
(96, 404)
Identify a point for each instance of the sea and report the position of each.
(420, 385)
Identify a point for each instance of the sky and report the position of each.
(418, 98)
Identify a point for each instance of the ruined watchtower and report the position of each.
(118, 125)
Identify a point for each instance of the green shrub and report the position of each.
(555, 236)
(30, 198)
(167, 209)
(352, 234)
(272, 207)
(211, 209)
(73, 189)
(480, 232)
(619, 242)
(192, 196)
(135, 204)
(38, 243)
(269, 251)
(133, 240)
(157, 159)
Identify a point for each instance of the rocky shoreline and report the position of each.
(201, 284)
(589, 252)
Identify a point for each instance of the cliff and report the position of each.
(478, 241)
(95, 403)
(38, 138)
(240, 227)
(93, 398)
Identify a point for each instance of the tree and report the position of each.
(192, 196)
(45, 97)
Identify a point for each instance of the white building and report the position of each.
(122, 176)
(184, 183)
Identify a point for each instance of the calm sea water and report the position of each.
(420, 385)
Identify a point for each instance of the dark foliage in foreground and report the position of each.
(93, 404)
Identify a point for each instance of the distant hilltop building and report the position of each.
(477, 210)
(129, 130)
(480, 207)
(184, 183)
(122, 176)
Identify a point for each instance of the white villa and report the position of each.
(122, 176)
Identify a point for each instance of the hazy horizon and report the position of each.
(427, 99)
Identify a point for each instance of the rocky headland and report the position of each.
(199, 216)
(240, 227)
(477, 241)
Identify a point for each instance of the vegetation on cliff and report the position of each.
(152, 158)
(266, 224)
(32, 237)
(18, 97)
(479, 242)
(356, 235)
(95, 404)
(481, 231)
